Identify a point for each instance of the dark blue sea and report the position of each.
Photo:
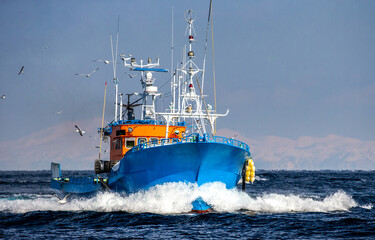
(278, 205)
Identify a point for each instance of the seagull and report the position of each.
(87, 74)
(21, 71)
(2, 97)
(132, 76)
(59, 112)
(64, 200)
(209, 107)
(123, 58)
(105, 61)
(79, 130)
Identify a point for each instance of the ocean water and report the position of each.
(279, 205)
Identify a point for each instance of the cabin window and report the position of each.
(142, 140)
(118, 143)
(120, 132)
(154, 140)
(130, 143)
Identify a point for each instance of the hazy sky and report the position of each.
(283, 68)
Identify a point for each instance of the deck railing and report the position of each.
(191, 138)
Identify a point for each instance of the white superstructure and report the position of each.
(189, 104)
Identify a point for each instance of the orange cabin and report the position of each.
(126, 136)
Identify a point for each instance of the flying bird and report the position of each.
(105, 61)
(2, 97)
(87, 74)
(132, 76)
(79, 130)
(123, 58)
(59, 112)
(64, 200)
(21, 71)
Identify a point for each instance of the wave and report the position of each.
(176, 198)
(367, 206)
(257, 178)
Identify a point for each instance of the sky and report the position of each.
(287, 70)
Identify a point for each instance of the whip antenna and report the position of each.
(213, 57)
(101, 132)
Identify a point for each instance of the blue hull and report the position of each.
(86, 186)
(197, 162)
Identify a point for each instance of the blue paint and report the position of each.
(200, 205)
(150, 69)
(196, 159)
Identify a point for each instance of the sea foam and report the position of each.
(176, 198)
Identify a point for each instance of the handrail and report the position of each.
(190, 139)
(108, 129)
(146, 122)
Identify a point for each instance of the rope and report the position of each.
(205, 44)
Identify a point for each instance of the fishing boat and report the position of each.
(177, 145)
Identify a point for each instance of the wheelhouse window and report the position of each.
(129, 143)
(154, 140)
(118, 143)
(120, 132)
(142, 140)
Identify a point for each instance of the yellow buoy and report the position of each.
(250, 171)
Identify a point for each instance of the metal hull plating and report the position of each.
(86, 186)
(196, 162)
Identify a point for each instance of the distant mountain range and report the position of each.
(62, 144)
(331, 152)
(59, 143)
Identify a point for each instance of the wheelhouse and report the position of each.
(125, 136)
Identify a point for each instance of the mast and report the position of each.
(190, 100)
(115, 81)
(190, 18)
(121, 106)
(114, 62)
(173, 74)
(150, 92)
(190, 104)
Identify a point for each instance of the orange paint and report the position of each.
(122, 139)
(202, 211)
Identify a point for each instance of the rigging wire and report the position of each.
(165, 83)
(205, 45)
(204, 103)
